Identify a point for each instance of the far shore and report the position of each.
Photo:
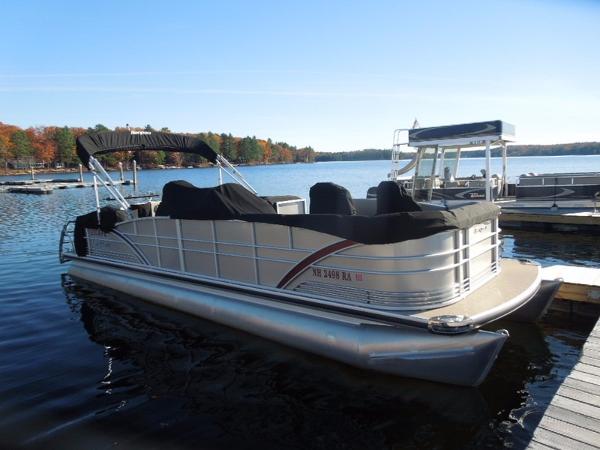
(49, 171)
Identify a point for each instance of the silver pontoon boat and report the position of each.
(386, 284)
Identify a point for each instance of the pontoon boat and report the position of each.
(436, 157)
(436, 154)
(386, 284)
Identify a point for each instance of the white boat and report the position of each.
(404, 290)
(437, 152)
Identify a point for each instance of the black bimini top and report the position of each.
(118, 141)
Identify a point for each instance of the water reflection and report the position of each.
(182, 376)
(115, 371)
(552, 248)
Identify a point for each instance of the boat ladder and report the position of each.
(67, 241)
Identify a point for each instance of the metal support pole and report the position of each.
(121, 172)
(80, 173)
(417, 166)
(235, 174)
(504, 176)
(97, 198)
(220, 173)
(108, 183)
(433, 174)
(135, 180)
(488, 185)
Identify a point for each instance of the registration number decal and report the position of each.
(335, 274)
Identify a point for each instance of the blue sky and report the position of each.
(334, 75)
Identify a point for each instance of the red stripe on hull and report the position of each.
(313, 258)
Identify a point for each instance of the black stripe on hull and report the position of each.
(561, 192)
(459, 193)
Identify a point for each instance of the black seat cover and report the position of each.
(183, 200)
(393, 198)
(330, 198)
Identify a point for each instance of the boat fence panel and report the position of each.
(450, 264)
(198, 244)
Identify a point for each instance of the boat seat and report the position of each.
(183, 200)
(331, 198)
(393, 198)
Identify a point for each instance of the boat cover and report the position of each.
(385, 228)
(331, 198)
(182, 200)
(117, 141)
(109, 217)
(227, 201)
(393, 198)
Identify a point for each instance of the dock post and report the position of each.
(121, 172)
(504, 192)
(32, 173)
(135, 180)
(488, 185)
(80, 173)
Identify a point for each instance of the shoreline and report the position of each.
(21, 172)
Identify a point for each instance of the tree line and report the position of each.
(356, 155)
(52, 146)
(578, 148)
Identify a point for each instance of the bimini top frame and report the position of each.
(106, 142)
(461, 136)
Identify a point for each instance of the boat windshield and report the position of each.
(449, 164)
(425, 174)
(436, 166)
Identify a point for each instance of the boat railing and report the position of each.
(66, 243)
(455, 261)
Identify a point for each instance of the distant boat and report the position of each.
(437, 153)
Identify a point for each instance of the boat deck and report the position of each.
(516, 279)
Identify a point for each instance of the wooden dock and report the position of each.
(580, 284)
(50, 186)
(540, 219)
(572, 419)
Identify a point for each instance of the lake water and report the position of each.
(88, 368)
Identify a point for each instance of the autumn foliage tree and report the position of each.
(51, 145)
(65, 145)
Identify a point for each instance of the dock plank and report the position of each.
(591, 361)
(587, 368)
(591, 352)
(582, 386)
(537, 446)
(558, 441)
(581, 396)
(582, 376)
(570, 430)
(576, 406)
(572, 417)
